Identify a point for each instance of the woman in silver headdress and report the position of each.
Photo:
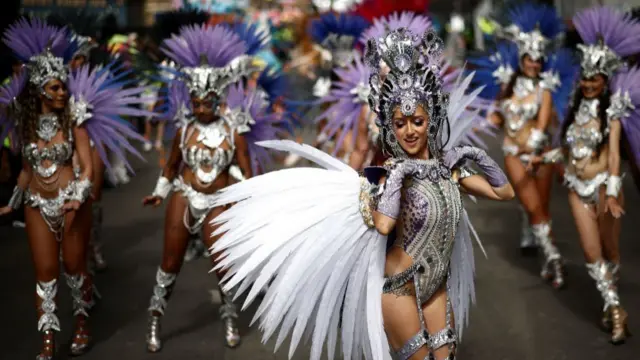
(605, 106)
(523, 77)
(205, 146)
(59, 114)
(322, 244)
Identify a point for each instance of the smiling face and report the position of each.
(593, 87)
(412, 132)
(531, 68)
(54, 97)
(205, 110)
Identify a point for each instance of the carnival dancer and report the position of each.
(531, 85)
(606, 106)
(322, 241)
(51, 126)
(209, 58)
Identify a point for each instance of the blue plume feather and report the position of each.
(528, 16)
(485, 64)
(340, 24)
(255, 39)
(564, 63)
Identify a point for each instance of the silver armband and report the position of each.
(236, 173)
(537, 139)
(16, 198)
(465, 172)
(81, 190)
(614, 184)
(163, 187)
(552, 157)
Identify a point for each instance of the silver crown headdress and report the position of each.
(203, 80)
(408, 84)
(341, 48)
(44, 67)
(598, 58)
(532, 43)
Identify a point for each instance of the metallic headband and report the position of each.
(45, 67)
(531, 43)
(597, 59)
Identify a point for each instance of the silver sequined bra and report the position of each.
(57, 154)
(207, 163)
(583, 136)
(431, 211)
(517, 114)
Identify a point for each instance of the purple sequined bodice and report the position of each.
(431, 208)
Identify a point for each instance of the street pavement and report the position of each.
(516, 316)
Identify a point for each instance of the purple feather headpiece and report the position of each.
(8, 105)
(98, 101)
(248, 111)
(625, 106)
(608, 36)
(41, 46)
(347, 99)
(210, 58)
(416, 23)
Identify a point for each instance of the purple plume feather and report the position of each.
(628, 82)
(267, 126)
(30, 37)
(218, 44)
(345, 106)
(8, 94)
(619, 31)
(109, 101)
(416, 23)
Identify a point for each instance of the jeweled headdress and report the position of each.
(608, 35)
(408, 84)
(41, 47)
(533, 28)
(338, 34)
(210, 58)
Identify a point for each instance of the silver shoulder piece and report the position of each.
(79, 110)
(550, 80)
(239, 120)
(620, 105)
(503, 74)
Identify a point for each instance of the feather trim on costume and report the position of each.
(31, 37)
(416, 23)
(625, 106)
(99, 101)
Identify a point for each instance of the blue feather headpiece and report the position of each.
(254, 38)
(338, 33)
(533, 28)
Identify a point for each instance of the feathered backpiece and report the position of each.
(347, 99)
(255, 39)
(338, 34)
(9, 108)
(625, 106)
(608, 36)
(416, 23)
(272, 83)
(99, 101)
(533, 28)
(41, 46)
(249, 113)
(208, 57)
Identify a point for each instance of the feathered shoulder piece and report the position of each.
(248, 113)
(41, 47)
(209, 57)
(625, 105)
(338, 34)
(98, 102)
(534, 28)
(608, 36)
(416, 23)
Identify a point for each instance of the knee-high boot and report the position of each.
(82, 295)
(161, 292)
(552, 269)
(614, 317)
(48, 322)
(229, 317)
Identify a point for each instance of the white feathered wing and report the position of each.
(302, 229)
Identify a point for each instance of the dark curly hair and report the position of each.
(30, 110)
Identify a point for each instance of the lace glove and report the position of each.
(458, 156)
(389, 204)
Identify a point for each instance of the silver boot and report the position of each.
(528, 243)
(82, 299)
(229, 316)
(552, 269)
(95, 241)
(161, 292)
(614, 317)
(48, 322)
